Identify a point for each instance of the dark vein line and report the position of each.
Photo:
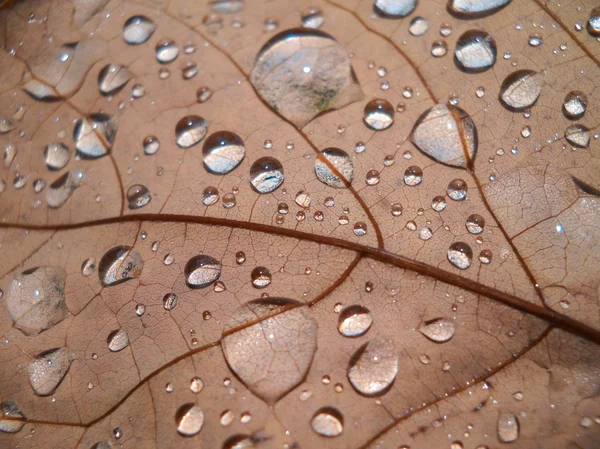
(557, 319)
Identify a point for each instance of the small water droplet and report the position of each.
(151, 145)
(475, 51)
(439, 330)
(341, 161)
(312, 17)
(457, 190)
(56, 156)
(418, 26)
(354, 321)
(373, 367)
(261, 277)
(138, 29)
(360, 228)
(190, 130)
(201, 271)
(10, 409)
(117, 340)
(593, 23)
(94, 135)
(196, 385)
(578, 136)
(112, 78)
(413, 176)
(222, 152)
(575, 105)
(439, 49)
(47, 370)
(394, 8)
(328, 422)
(475, 224)
(379, 114)
(460, 255)
(169, 301)
(138, 196)
(166, 51)
(210, 195)
(119, 264)
(88, 266)
(189, 419)
(508, 427)
(266, 174)
(521, 89)
(471, 9)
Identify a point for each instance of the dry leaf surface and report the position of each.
(345, 224)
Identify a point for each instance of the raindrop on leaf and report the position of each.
(201, 271)
(373, 368)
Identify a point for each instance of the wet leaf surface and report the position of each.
(345, 224)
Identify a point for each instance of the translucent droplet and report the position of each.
(328, 422)
(418, 26)
(138, 91)
(475, 224)
(439, 49)
(210, 196)
(447, 134)
(88, 267)
(578, 136)
(575, 105)
(11, 410)
(166, 51)
(190, 70)
(360, 228)
(354, 321)
(479, 8)
(117, 340)
(372, 177)
(94, 135)
(169, 301)
(138, 29)
(312, 18)
(425, 233)
(439, 330)
(521, 89)
(475, 51)
(261, 277)
(457, 190)
(227, 418)
(229, 200)
(485, 256)
(196, 385)
(593, 23)
(189, 419)
(203, 94)
(56, 156)
(119, 264)
(302, 72)
(302, 199)
(201, 271)
(460, 255)
(283, 336)
(379, 114)
(239, 441)
(113, 77)
(342, 163)
(438, 203)
(5, 125)
(394, 8)
(138, 196)
(413, 176)
(223, 151)
(226, 6)
(47, 370)
(508, 427)
(61, 189)
(266, 174)
(535, 40)
(373, 368)
(190, 130)
(151, 145)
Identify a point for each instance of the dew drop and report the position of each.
(394, 8)
(378, 114)
(372, 177)
(373, 368)
(413, 176)
(508, 427)
(593, 23)
(360, 228)
(113, 77)
(138, 196)
(119, 264)
(460, 255)
(439, 330)
(485, 256)
(457, 190)
(189, 419)
(169, 301)
(438, 203)
(47, 370)
(117, 340)
(578, 136)
(210, 196)
(151, 145)
(521, 89)
(190, 70)
(203, 94)
(475, 51)
(470, 8)
(222, 152)
(328, 422)
(418, 26)
(354, 321)
(11, 410)
(61, 189)
(302, 199)
(88, 267)
(266, 174)
(312, 18)
(94, 135)
(196, 385)
(535, 40)
(190, 130)
(475, 224)
(397, 209)
(138, 29)
(439, 49)
(166, 51)
(56, 156)
(229, 200)
(261, 277)
(575, 105)
(201, 271)
(140, 309)
(425, 233)
(342, 163)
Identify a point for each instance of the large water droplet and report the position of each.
(223, 151)
(61, 190)
(41, 91)
(201, 271)
(226, 6)
(117, 340)
(138, 196)
(240, 441)
(478, 8)
(189, 419)
(457, 190)
(341, 161)
(119, 264)
(460, 255)
(413, 176)
(379, 114)
(166, 51)
(521, 89)
(418, 26)
(94, 135)
(47, 370)
(439, 330)
(354, 321)
(261, 277)
(575, 105)
(475, 51)
(11, 410)
(56, 156)
(151, 145)
(36, 299)
(190, 130)
(138, 29)
(578, 136)
(373, 368)
(266, 174)
(508, 427)
(113, 77)
(593, 24)
(303, 72)
(273, 355)
(447, 134)
(394, 8)
(475, 224)
(328, 422)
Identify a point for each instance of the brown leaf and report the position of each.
(222, 230)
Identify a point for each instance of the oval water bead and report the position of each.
(266, 174)
(354, 321)
(439, 330)
(190, 130)
(117, 340)
(138, 196)
(328, 422)
(56, 156)
(261, 277)
(478, 8)
(373, 367)
(47, 370)
(475, 51)
(112, 78)
(312, 18)
(341, 162)
(94, 135)
(413, 176)
(460, 255)
(575, 105)
(593, 23)
(166, 51)
(475, 224)
(521, 89)
(210, 195)
(62, 188)
(457, 190)
(394, 8)
(189, 419)
(201, 271)
(151, 145)
(418, 26)
(578, 136)
(222, 152)
(119, 264)
(138, 29)
(378, 114)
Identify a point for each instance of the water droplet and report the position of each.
(394, 8)
(341, 161)
(354, 321)
(283, 339)
(535, 40)
(261, 277)
(475, 224)
(56, 156)
(117, 340)
(226, 418)
(425, 233)
(470, 8)
(201, 271)
(190, 70)
(578, 136)
(203, 94)
(303, 72)
(485, 256)
(328, 422)
(47, 370)
(138, 29)
(379, 114)
(120, 264)
(61, 189)
(460, 255)
(169, 301)
(166, 51)
(447, 134)
(439, 49)
(5, 125)
(439, 330)
(138, 196)
(413, 176)
(140, 309)
(223, 151)
(113, 77)
(189, 419)
(210, 196)
(11, 410)
(360, 228)
(457, 190)
(266, 174)
(372, 177)
(418, 26)
(190, 130)
(373, 368)
(438, 203)
(151, 145)
(575, 105)
(508, 427)
(239, 441)
(475, 51)
(302, 199)
(137, 91)
(593, 23)
(521, 89)
(229, 200)
(88, 267)
(196, 385)
(94, 135)
(312, 17)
